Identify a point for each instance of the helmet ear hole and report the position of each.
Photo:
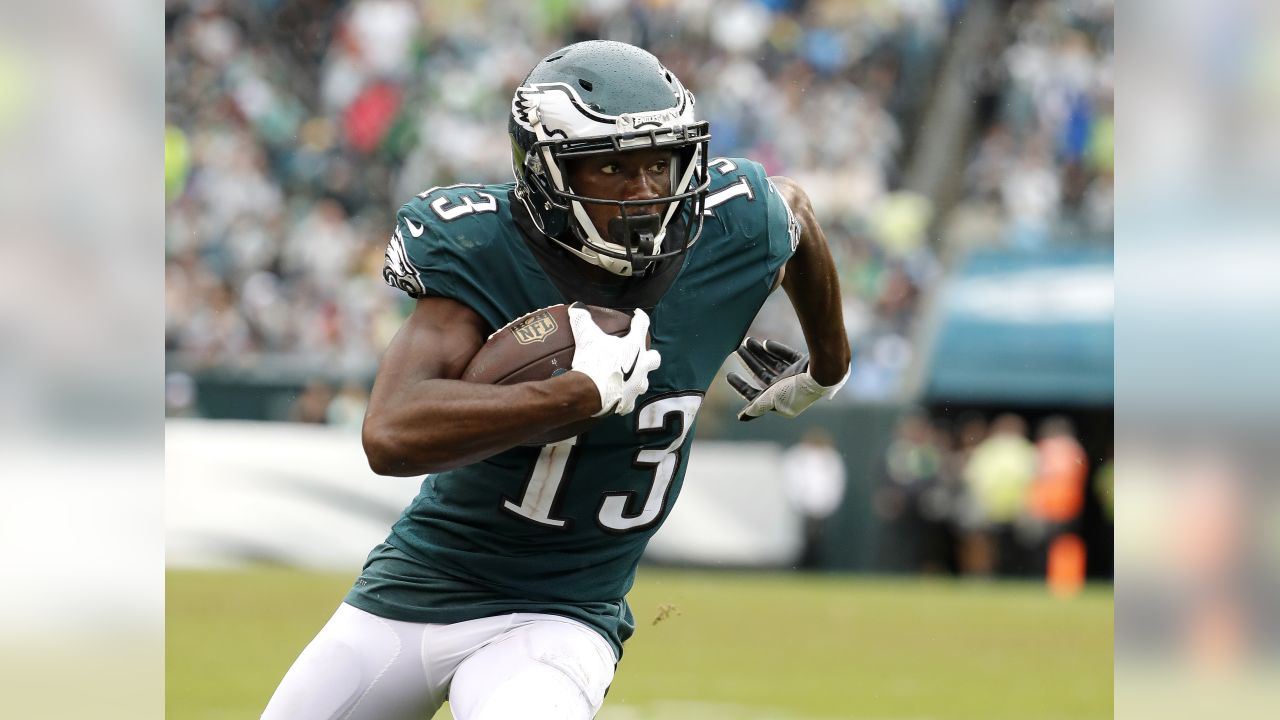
(586, 84)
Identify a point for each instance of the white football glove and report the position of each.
(780, 380)
(619, 366)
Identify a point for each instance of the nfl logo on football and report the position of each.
(535, 329)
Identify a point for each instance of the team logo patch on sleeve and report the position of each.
(793, 226)
(534, 328)
(398, 271)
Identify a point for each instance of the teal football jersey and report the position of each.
(560, 529)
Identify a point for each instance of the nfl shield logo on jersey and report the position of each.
(537, 328)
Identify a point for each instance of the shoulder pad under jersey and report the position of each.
(744, 203)
(440, 230)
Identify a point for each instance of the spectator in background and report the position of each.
(346, 410)
(911, 475)
(972, 430)
(962, 436)
(998, 476)
(1055, 502)
(300, 114)
(179, 395)
(215, 332)
(269, 131)
(312, 406)
(1062, 472)
(813, 479)
(1045, 123)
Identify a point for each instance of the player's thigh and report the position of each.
(359, 667)
(541, 669)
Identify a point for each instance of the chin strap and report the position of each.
(623, 268)
(617, 267)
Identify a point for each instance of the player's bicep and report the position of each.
(437, 341)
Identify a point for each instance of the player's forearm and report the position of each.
(813, 285)
(443, 424)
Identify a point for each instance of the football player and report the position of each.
(502, 587)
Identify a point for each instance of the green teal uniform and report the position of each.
(560, 529)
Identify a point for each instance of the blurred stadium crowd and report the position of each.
(1005, 497)
(295, 128)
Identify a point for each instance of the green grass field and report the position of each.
(736, 646)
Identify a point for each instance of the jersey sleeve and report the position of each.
(416, 261)
(446, 243)
(754, 210)
(783, 229)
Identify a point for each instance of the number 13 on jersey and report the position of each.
(548, 479)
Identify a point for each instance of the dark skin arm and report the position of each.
(810, 280)
(422, 419)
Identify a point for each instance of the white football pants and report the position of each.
(525, 665)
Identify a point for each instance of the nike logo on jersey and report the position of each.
(414, 228)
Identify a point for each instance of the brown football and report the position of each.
(538, 346)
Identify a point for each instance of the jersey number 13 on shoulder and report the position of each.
(444, 206)
(739, 188)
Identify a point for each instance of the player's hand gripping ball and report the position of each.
(542, 344)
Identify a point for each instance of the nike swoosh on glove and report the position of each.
(779, 380)
(619, 366)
